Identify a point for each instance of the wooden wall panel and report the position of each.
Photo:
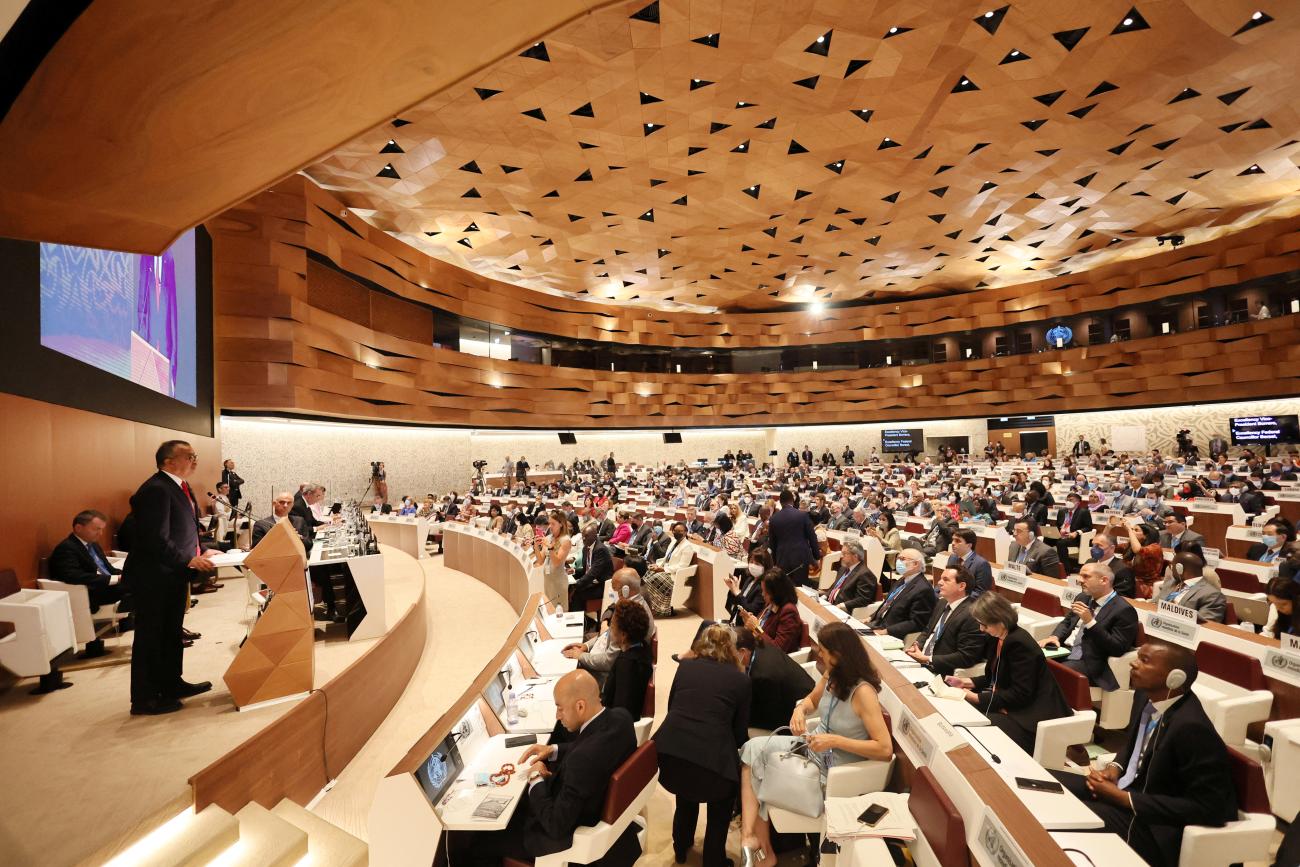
(57, 461)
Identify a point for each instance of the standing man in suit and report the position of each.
(908, 606)
(952, 639)
(1173, 770)
(1185, 585)
(963, 555)
(1102, 553)
(599, 568)
(855, 585)
(807, 456)
(521, 470)
(1176, 535)
(567, 781)
(792, 540)
(1074, 519)
(1026, 548)
(1082, 447)
(230, 477)
(1101, 624)
(78, 559)
(164, 556)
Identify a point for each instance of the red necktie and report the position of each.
(185, 486)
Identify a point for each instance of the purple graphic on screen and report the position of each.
(87, 298)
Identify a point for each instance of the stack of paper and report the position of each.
(943, 690)
(842, 817)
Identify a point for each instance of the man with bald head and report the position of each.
(567, 781)
(597, 655)
(282, 507)
(1185, 585)
(1173, 770)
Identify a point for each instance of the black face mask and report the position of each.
(679, 536)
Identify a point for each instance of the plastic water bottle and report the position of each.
(512, 705)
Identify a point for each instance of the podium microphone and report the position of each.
(994, 756)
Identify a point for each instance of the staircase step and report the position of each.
(201, 839)
(266, 840)
(327, 844)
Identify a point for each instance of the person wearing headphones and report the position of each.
(1185, 586)
(1173, 770)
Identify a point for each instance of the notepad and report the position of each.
(842, 817)
(943, 690)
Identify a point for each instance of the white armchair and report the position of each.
(829, 561)
(43, 629)
(625, 804)
(1056, 736)
(842, 781)
(86, 624)
(681, 585)
(1116, 705)
(1249, 838)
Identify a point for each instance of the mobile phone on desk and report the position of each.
(872, 815)
(1040, 785)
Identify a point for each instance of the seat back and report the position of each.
(8, 583)
(1230, 665)
(1248, 780)
(1074, 685)
(629, 780)
(43, 568)
(648, 706)
(1041, 601)
(1242, 582)
(805, 638)
(938, 820)
(1230, 615)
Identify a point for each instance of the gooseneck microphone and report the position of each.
(992, 755)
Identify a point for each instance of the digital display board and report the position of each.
(1264, 429)
(902, 440)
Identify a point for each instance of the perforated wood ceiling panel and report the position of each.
(720, 155)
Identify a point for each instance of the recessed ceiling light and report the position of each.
(988, 14)
(1255, 16)
(649, 126)
(816, 307)
(823, 38)
(1015, 53)
(1128, 22)
(893, 30)
(741, 103)
(507, 331)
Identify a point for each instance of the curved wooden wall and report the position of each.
(259, 241)
(295, 756)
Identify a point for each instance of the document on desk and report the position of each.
(491, 808)
(939, 689)
(842, 817)
(885, 642)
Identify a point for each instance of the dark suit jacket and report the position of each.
(777, 683)
(708, 716)
(641, 539)
(1114, 634)
(1184, 779)
(626, 683)
(750, 597)
(1255, 552)
(1038, 511)
(1125, 583)
(784, 629)
(599, 569)
(1190, 537)
(303, 511)
(262, 527)
(909, 611)
(978, 567)
(791, 538)
(575, 794)
(166, 535)
(1042, 558)
(1019, 682)
(71, 563)
(858, 589)
(960, 645)
(1082, 521)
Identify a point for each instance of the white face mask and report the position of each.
(756, 569)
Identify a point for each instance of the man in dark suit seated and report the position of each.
(598, 568)
(282, 507)
(1173, 769)
(1101, 624)
(1074, 519)
(302, 503)
(1026, 548)
(942, 528)
(1103, 554)
(1271, 546)
(567, 782)
(952, 639)
(78, 559)
(1176, 534)
(908, 606)
(963, 554)
(1250, 500)
(854, 586)
(777, 682)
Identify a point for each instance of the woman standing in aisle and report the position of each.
(555, 577)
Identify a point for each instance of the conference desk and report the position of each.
(1003, 825)
(498, 561)
(365, 614)
(406, 533)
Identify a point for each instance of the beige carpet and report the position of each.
(81, 774)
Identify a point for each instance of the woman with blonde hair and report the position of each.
(698, 743)
(555, 575)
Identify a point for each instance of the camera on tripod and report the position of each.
(478, 465)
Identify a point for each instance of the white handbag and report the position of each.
(792, 779)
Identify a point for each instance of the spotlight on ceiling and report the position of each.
(817, 307)
(1174, 240)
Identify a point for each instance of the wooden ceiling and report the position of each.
(687, 154)
(150, 116)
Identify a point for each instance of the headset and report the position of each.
(1175, 679)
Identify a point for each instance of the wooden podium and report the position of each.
(277, 659)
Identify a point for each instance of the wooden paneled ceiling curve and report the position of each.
(150, 116)
(688, 154)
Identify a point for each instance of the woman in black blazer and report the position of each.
(698, 743)
(626, 683)
(746, 592)
(1017, 690)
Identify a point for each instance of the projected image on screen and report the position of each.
(128, 314)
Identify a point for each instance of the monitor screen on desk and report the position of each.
(437, 773)
(495, 693)
(526, 647)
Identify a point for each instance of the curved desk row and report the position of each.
(415, 802)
